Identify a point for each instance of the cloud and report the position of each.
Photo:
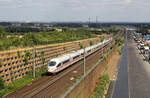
(6, 0)
(129, 1)
(51, 10)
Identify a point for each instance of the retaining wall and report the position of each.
(12, 62)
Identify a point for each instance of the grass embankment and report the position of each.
(16, 84)
(103, 81)
(101, 87)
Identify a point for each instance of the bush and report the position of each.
(1, 83)
(100, 87)
(91, 42)
(120, 45)
(101, 38)
(18, 53)
(81, 46)
(120, 49)
(0, 62)
(103, 56)
(27, 53)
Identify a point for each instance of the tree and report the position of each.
(2, 30)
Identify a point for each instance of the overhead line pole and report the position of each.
(33, 61)
(89, 21)
(84, 61)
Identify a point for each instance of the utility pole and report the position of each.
(33, 61)
(89, 21)
(84, 61)
(72, 42)
(96, 20)
(96, 23)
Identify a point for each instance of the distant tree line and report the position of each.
(13, 29)
(11, 41)
(144, 31)
(107, 30)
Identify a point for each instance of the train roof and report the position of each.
(67, 56)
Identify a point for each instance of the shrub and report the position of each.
(35, 54)
(1, 83)
(0, 62)
(64, 48)
(27, 53)
(26, 60)
(101, 38)
(91, 42)
(100, 87)
(18, 53)
(81, 46)
(102, 56)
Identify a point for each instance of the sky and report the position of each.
(75, 10)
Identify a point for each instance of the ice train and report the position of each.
(56, 65)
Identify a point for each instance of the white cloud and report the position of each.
(129, 1)
(70, 9)
(7, 0)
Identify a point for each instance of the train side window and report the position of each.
(59, 65)
(65, 61)
(75, 57)
(89, 51)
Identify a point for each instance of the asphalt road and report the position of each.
(121, 84)
(139, 73)
(133, 79)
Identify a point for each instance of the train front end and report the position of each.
(52, 67)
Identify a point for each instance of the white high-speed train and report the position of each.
(57, 64)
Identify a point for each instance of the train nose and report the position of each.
(51, 69)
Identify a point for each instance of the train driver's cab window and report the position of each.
(52, 63)
(59, 65)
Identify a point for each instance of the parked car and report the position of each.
(146, 52)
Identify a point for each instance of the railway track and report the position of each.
(47, 85)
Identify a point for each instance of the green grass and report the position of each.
(16, 84)
(100, 87)
(106, 68)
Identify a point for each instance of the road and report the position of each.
(121, 85)
(133, 79)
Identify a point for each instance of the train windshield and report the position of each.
(52, 63)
